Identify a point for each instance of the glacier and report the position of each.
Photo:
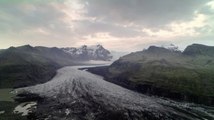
(72, 86)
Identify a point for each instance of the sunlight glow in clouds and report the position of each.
(211, 4)
(117, 24)
(176, 29)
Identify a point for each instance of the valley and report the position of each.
(106, 60)
(83, 84)
(78, 94)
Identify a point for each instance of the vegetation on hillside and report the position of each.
(159, 71)
(26, 65)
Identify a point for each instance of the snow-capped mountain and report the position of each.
(96, 52)
(171, 47)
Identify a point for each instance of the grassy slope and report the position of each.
(21, 67)
(188, 81)
(26, 65)
(7, 104)
(165, 73)
(5, 95)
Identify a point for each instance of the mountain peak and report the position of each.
(172, 47)
(25, 46)
(154, 47)
(84, 46)
(99, 45)
(11, 48)
(198, 49)
(157, 49)
(94, 52)
(167, 48)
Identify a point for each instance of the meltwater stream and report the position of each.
(80, 95)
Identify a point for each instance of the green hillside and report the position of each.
(187, 75)
(27, 65)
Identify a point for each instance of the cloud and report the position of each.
(117, 24)
(146, 12)
(178, 29)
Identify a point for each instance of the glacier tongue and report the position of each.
(77, 83)
(72, 85)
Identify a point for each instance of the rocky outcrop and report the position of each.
(97, 52)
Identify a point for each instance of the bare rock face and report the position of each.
(97, 52)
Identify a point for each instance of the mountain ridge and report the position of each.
(198, 49)
(26, 65)
(96, 52)
(163, 72)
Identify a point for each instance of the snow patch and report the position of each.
(67, 112)
(2, 112)
(96, 52)
(171, 47)
(25, 108)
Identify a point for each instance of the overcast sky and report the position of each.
(122, 25)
